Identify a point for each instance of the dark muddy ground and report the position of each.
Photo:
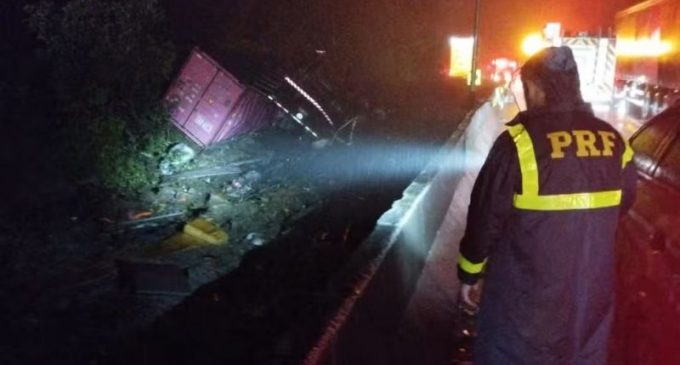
(294, 214)
(65, 298)
(270, 309)
(65, 281)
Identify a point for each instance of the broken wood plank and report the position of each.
(209, 172)
(153, 221)
(229, 169)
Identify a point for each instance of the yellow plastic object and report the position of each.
(206, 231)
(177, 242)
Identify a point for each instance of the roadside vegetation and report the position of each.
(109, 62)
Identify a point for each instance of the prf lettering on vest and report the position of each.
(585, 143)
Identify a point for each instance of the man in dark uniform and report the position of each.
(541, 224)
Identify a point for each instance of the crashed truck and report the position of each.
(210, 104)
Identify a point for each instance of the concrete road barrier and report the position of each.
(402, 279)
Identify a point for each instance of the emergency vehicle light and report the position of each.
(643, 47)
(533, 43)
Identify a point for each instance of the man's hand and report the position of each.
(470, 295)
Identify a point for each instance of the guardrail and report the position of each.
(378, 284)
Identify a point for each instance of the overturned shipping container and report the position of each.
(209, 104)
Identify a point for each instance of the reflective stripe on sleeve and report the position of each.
(469, 267)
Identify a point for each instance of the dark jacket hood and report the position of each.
(555, 70)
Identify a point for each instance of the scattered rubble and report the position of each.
(255, 239)
(144, 255)
(177, 156)
(115, 269)
(236, 187)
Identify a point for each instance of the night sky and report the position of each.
(504, 23)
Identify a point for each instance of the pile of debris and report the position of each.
(107, 274)
(228, 198)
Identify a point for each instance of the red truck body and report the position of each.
(648, 60)
(209, 104)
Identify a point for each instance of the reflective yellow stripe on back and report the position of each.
(527, 159)
(531, 200)
(600, 199)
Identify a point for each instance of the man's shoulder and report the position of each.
(598, 124)
(504, 141)
(518, 119)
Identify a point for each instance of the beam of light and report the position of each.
(643, 47)
(310, 99)
(532, 44)
(383, 163)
